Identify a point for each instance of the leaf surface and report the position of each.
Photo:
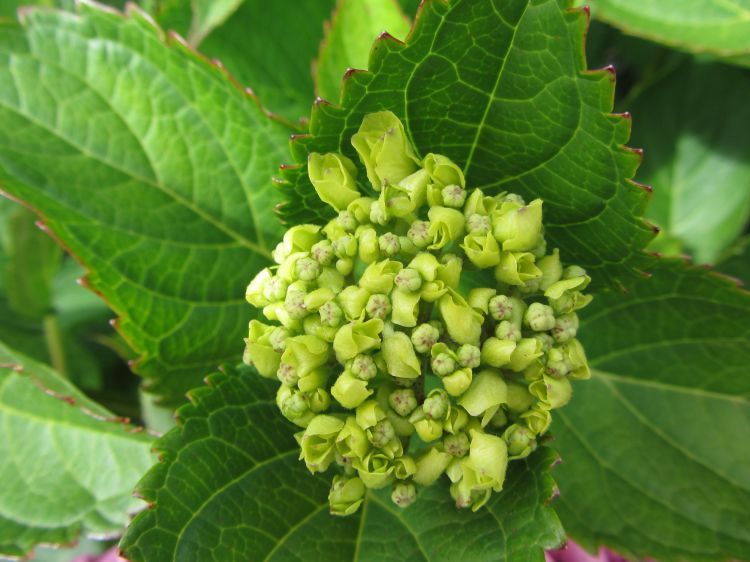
(150, 166)
(654, 446)
(501, 88)
(349, 37)
(68, 466)
(230, 487)
(697, 155)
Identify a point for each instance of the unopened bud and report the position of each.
(506, 330)
(346, 495)
(307, 269)
(565, 327)
(423, 337)
(331, 314)
(403, 401)
(456, 445)
(347, 221)
(539, 317)
(419, 234)
(382, 433)
(408, 280)
(287, 374)
(363, 367)
(389, 244)
(436, 404)
(378, 306)
(404, 494)
(443, 364)
(468, 356)
(453, 196)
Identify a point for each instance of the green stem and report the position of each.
(54, 340)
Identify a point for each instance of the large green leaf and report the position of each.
(150, 166)
(501, 88)
(230, 487)
(697, 155)
(736, 261)
(68, 466)
(655, 446)
(721, 27)
(349, 37)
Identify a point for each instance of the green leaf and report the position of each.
(720, 27)
(655, 445)
(697, 155)
(209, 15)
(736, 261)
(230, 487)
(52, 437)
(349, 36)
(501, 88)
(150, 166)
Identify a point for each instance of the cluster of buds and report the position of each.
(394, 359)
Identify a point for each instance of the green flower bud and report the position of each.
(478, 224)
(519, 399)
(458, 381)
(482, 249)
(443, 171)
(349, 391)
(557, 365)
(487, 391)
(521, 441)
(446, 225)
(384, 149)
(305, 353)
(352, 442)
(463, 323)
(382, 433)
(363, 367)
(407, 246)
(518, 229)
(318, 399)
(436, 404)
(468, 356)
(539, 317)
(254, 292)
(389, 244)
(404, 494)
(260, 351)
(506, 330)
(552, 392)
(569, 302)
(347, 221)
(378, 306)
(346, 495)
(537, 420)
(287, 374)
(478, 204)
(408, 280)
(404, 467)
(403, 401)
(318, 442)
(275, 289)
(449, 271)
(430, 465)
(379, 277)
(396, 201)
(353, 300)
(423, 337)
(456, 420)
(503, 307)
(400, 359)
(300, 238)
(345, 246)
(456, 445)
(404, 308)
(419, 234)
(313, 380)
(331, 314)
(277, 339)
(375, 469)
(331, 279)
(443, 362)
(488, 456)
(566, 327)
(496, 352)
(294, 406)
(527, 350)
(427, 428)
(317, 298)
(368, 245)
(360, 208)
(516, 268)
(333, 177)
(551, 269)
(545, 341)
(453, 196)
(357, 337)
(294, 304)
(369, 414)
(575, 356)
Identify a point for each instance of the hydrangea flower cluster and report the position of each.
(424, 331)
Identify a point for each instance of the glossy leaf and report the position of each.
(501, 88)
(655, 444)
(697, 156)
(230, 487)
(52, 437)
(150, 166)
(349, 37)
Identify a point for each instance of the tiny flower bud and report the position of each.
(378, 306)
(293, 406)
(407, 246)
(527, 350)
(552, 392)
(537, 420)
(404, 494)
(427, 428)
(464, 324)
(424, 336)
(379, 277)
(332, 176)
(360, 208)
(254, 291)
(294, 304)
(400, 359)
(277, 339)
(349, 391)
(363, 367)
(446, 225)
(404, 308)
(453, 196)
(378, 213)
(368, 245)
(402, 401)
(318, 442)
(443, 171)
(477, 203)
(520, 440)
(345, 247)
(331, 314)
(346, 495)
(518, 228)
(275, 289)
(408, 280)
(331, 279)
(419, 234)
(501, 307)
(496, 352)
(516, 268)
(443, 364)
(457, 382)
(478, 224)
(353, 300)
(382, 433)
(519, 399)
(436, 404)
(260, 351)
(375, 469)
(430, 465)
(488, 456)
(506, 330)
(347, 221)
(389, 244)
(306, 353)
(539, 317)
(357, 337)
(565, 327)
(317, 298)
(287, 374)
(487, 391)
(482, 250)
(456, 445)
(468, 356)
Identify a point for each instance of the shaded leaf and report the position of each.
(150, 166)
(655, 444)
(736, 261)
(230, 487)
